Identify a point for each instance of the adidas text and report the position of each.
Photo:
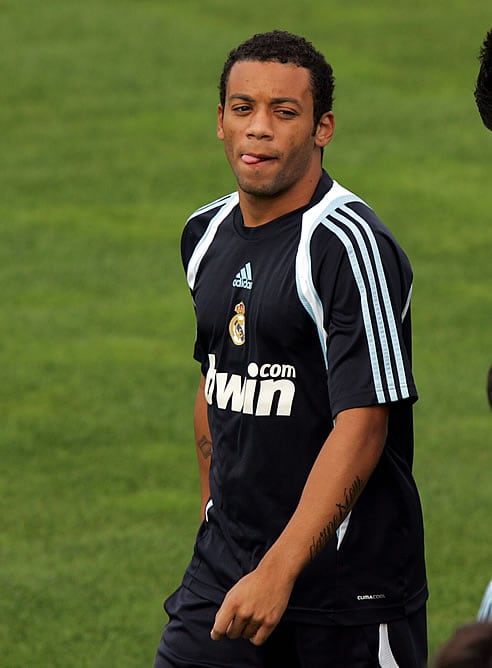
(244, 278)
(242, 283)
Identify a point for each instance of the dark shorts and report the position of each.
(186, 642)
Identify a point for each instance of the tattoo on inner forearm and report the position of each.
(205, 445)
(330, 529)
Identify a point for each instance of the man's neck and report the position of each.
(258, 210)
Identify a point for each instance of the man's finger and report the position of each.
(250, 630)
(222, 624)
(262, 634)
(237, 628)
(216, 635)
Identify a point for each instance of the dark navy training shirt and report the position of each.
(297, 320)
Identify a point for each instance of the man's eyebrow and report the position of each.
(274, 100)
(289, 100)
(240, 96)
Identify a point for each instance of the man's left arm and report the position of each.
(255, 605)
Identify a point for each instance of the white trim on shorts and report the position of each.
(385, 655)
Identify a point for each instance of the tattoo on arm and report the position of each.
(350, 496)
(205, 445)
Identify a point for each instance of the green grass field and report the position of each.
(107, 143)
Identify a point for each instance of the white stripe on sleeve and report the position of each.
(204, 244)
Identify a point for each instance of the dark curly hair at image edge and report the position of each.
(284, 47)
(469, 647)
(483, 89)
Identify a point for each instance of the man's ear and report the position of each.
(325, 129)
(220, 118)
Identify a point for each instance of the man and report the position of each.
(311, 548)
(483, 88)
(483, 97)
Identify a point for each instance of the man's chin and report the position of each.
(260, 190)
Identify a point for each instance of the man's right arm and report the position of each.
(203, 440)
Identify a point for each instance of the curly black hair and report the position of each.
(284, 47)
(483, 89)
(470, 645)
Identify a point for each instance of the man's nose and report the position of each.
(260, 125)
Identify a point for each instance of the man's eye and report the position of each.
(241, 109)
(287, 113)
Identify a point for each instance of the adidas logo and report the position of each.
(244, 278)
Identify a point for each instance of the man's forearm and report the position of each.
(337, 478)
(203, 440)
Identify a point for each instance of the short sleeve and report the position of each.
(367, 321)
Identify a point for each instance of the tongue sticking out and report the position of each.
(251, 159)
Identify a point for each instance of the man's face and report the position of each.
(268, 129)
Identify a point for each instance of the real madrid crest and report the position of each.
(237, 326)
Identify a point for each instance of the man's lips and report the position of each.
(253, 159)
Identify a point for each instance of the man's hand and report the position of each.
(253, 607)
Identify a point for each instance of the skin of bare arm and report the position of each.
(203, 440)
(253, 607)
